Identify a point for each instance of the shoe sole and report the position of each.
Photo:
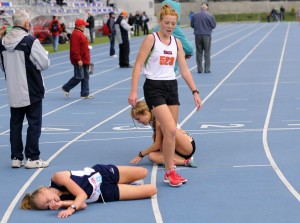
(30, 167)
(183, 181)
(172, 185)
(17, 166)
(87, 97)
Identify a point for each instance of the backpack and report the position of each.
(54, 27)
(105, 29)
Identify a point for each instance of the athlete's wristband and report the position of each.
(195, 91)
(140, 154)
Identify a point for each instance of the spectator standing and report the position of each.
(55, 29)
(274, 14)
(145, 23)
(123, 35)
(141, 22)
(137, 23)
(203, 23)
(112, 36)
(80, 58)
(131, 19)
(282, 13)
(91, 21)
(22, 60)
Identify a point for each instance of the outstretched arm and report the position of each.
(153, 148)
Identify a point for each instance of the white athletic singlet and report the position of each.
(161, 61)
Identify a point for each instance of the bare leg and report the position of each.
(183, 143)
(174, 110)
(168, 127)
(131, 192)
(156, 157)
(129, 174)
(179, 161)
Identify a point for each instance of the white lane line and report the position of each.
(254, 165)
(236, 99)
(293, 124)
(267, 122)
(84, 113)
(224, 122)
(233, 109)
(296, 120)
(155, 206)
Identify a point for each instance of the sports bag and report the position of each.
(54, 27)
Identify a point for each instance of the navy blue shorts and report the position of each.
(160, 92)
(109, 186)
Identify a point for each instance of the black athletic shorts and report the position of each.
(188, 156)
(159, 92)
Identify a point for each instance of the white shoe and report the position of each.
(31, 164)
(67, 94)
(114, 55)
(90, 96)
(16, 163)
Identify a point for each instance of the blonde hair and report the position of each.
(29, 200)
(167, 10)
(139, 109)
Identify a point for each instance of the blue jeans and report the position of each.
(91, 34)
(55, 42)
(33, 114)
(80, 75)
(112, 44)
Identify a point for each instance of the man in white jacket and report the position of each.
(123, 35)
(22, 58)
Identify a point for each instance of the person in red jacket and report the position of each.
(55, 29)
(80, 58)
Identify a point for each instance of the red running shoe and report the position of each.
(172, 178)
